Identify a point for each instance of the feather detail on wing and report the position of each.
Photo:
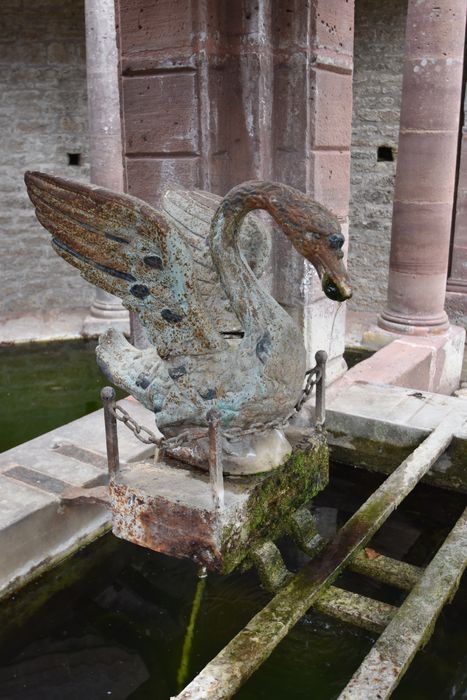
(192, 212)
(126, 247)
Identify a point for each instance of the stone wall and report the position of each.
(42, 120)
(379, 47)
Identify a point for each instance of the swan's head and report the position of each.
(316, 233)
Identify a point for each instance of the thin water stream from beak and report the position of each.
(184, 667)
(336, 311)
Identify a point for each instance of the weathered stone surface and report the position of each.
(168, 507)
(42, 119)
(377, 86)
(36, 529)
(267, 96)
(238, 660)
(426, 168)
(414, 622)
(376, 426)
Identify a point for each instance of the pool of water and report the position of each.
(43, 386)
(111, 622)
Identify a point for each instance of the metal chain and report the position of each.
(313, 376)
(123, 416)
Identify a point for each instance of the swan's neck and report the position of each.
(251, 303)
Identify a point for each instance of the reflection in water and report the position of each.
(82, 667)
(116, 624)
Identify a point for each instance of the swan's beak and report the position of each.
(335, 280)
(336, 289)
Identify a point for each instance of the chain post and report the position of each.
(313, 377)
(111, 435)
(320, 403)
(216, 476)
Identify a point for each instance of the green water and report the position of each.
(43, 386)
(115, 623)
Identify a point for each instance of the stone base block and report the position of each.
(169, 507)
(431, 363)
(94, 326)
(376, 427)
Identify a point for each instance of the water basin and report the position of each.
(110, 623)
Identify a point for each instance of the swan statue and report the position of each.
(190, 272)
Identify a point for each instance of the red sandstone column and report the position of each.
(423, 201)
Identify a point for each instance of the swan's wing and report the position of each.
(126, 247)
(192, 212)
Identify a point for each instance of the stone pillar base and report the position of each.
(94, 326)
(106, 312)
(408, 326)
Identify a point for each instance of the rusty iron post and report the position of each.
(111, 435)
(216, 477)
(320, 403)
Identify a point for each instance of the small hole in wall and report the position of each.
(74, 158)
(385, 153)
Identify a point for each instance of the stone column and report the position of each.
(105, 136)
(426, 168)
(312, 110)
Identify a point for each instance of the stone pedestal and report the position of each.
(107, 311)
(169, 507)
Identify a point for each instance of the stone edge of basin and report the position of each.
(38, 531)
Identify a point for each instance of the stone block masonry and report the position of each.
(43, 118)
(379, 53)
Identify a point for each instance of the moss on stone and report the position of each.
(274, 498)
(384, 456)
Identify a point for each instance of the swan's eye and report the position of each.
(336, 241)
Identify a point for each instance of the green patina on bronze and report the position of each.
(143, 256)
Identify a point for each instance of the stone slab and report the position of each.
(375, 426)
(36, 528)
